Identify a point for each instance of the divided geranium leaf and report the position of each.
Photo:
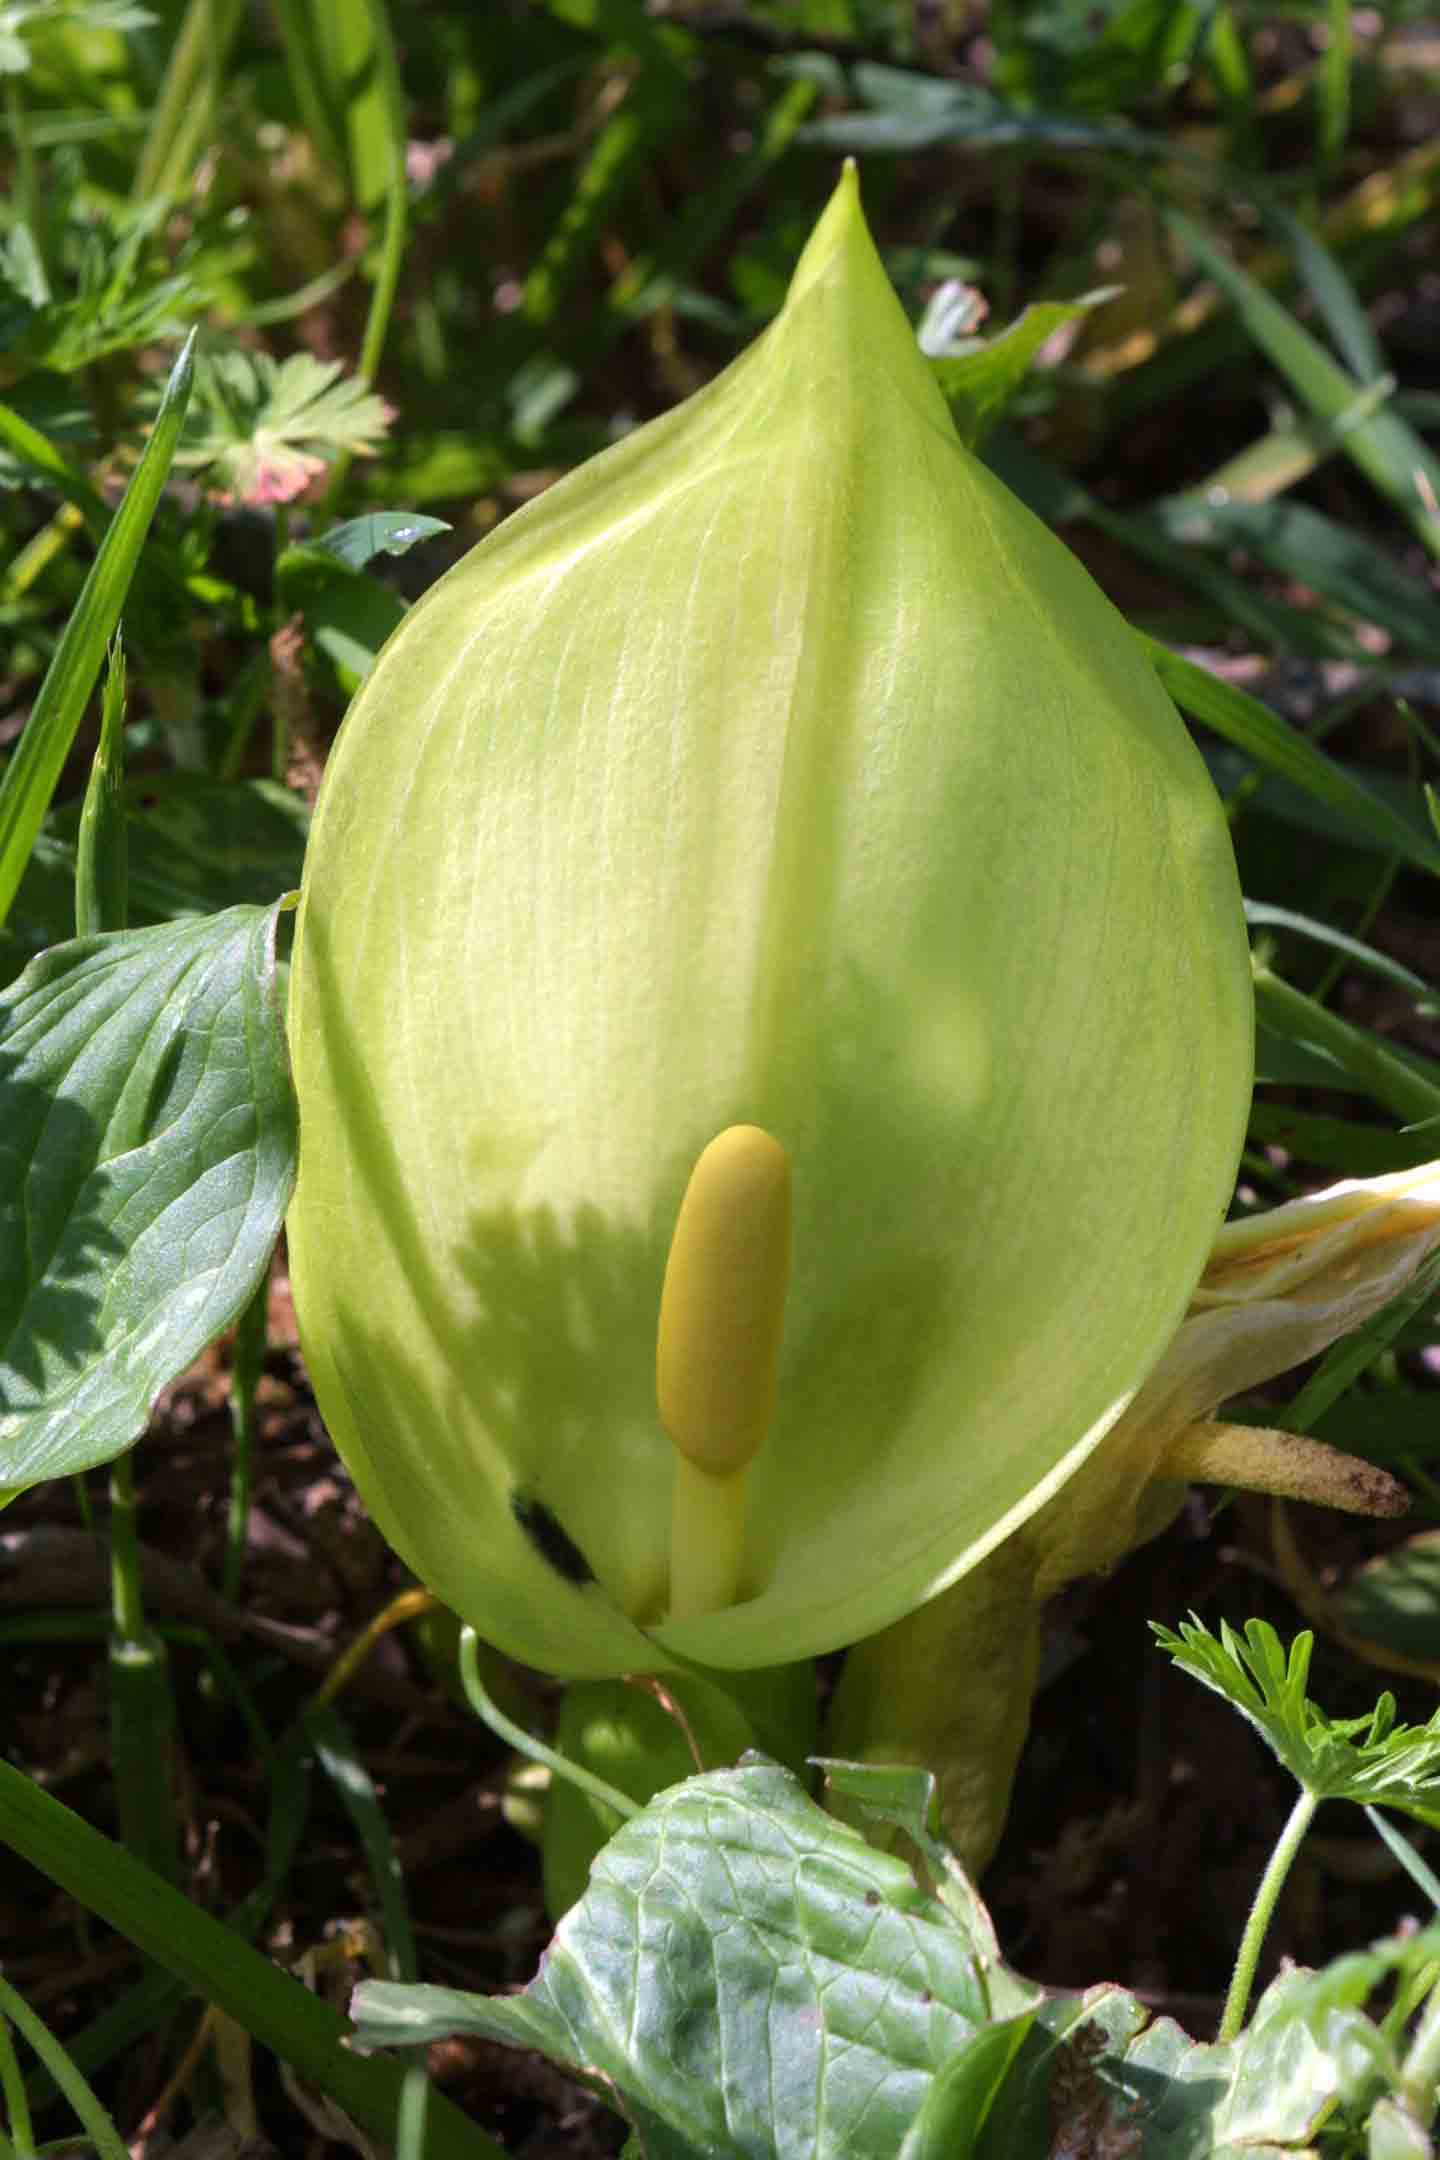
(146, 1159)
(742, 1962)
(1370, 1760)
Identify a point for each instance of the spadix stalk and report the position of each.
(775, 771)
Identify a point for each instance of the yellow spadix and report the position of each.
(774, 770)
(722, 1316)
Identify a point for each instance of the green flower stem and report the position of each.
(142, 1704)
(29, 194)
(247, 1363)
(97, 2125)
(17, 2104)
(392, 242)
(102, 855)
(413, 2114)
(127, 1611)
(184, 115)
(1242, 1980)
(1389, 1079)
(516, 1736)
(213, 1961)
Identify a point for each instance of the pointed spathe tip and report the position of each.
(841, 227)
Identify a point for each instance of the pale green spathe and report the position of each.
(775, 768)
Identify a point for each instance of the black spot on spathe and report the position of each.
(550, 1539)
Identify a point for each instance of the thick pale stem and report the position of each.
(949, 1689)
(722, 1315)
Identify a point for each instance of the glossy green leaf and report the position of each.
(687, 800)
(747, 1971)
(379, 532)
(30, 776)
(962, 2094)
(146, 1160)
(348, 613)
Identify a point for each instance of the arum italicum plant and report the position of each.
(765, 931)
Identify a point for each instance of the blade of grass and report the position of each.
(361, 86)
(1389, 453)
(1278, 627)
(1200, 334)
(366, 76)
(1280, 748)
(649, 280)
(35, 450)
(1332, 559)
(1058, 498)
(182, 122)
(93, 2118)
(1230, 72)
(141, 2008)
(649, 111)
(1332, 92)
(1339, 1144)
(307, 68)
(1283, 456)
(342, 1765)
(1421, 1874)
(1408, 1087)
(1338, 304)
(17, 2104)
(30, 777)
(1261, 915)
(347, 1773)
(297, 2026)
